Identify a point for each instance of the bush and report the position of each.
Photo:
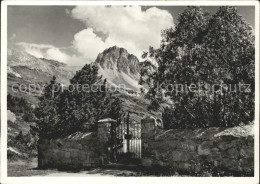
(18, 104)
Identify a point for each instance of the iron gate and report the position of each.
(130, 142)
(125, 141)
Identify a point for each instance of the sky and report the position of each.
(77, 34)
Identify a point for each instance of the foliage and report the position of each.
(63, 111)
(213, 52)
(17, 105)
(20, 105)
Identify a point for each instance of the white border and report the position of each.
(108, 180)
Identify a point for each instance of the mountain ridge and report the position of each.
(118, 58)
(120, 68)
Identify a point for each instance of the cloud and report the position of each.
(128, 27)
(58, 55)
(36, 50)
(34, 45)
(88, 44)
(55, 53)
(51, 52)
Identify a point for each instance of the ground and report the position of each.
(29, 168)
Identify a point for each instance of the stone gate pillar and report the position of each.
(103, 131)
(105, 134)
(148, 131)
(148, 127)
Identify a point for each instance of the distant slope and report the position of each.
(35, 69)
(25, 69)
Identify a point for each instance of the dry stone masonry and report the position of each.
(216, 150)
(79, 150)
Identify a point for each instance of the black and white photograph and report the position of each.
(130, 89)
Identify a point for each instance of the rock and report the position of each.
(231, 165)
(118, 58)
(158, 163)
(247, 162)
(250, 141)
(187, 145)
(215, 163)
(215, 150)
(11, 116)
(203, 151)
(215, 156)
(223, 146)
(185, 166)
(197, 168)
(247, 152)
(207, 144)
(146, 162)
(181, 156)
(206, 174)
(236, 143)
(233, 153)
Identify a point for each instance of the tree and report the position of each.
(63, 111)
(204, 51)
(230, 42)
(113, 108)
(47, 117)
(18, 104)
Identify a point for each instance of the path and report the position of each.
(29, 168)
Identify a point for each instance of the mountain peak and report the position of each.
(116, 58)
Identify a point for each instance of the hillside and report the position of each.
(24, 70)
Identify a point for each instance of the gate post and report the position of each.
(148, 131)
(102, 131)
(105, 134)
(148, 127)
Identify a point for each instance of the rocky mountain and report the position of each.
(24, 69)
(120, 68)
(118, 59)
(30, 68)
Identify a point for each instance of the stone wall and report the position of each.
(79, 150)
(215, 151)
